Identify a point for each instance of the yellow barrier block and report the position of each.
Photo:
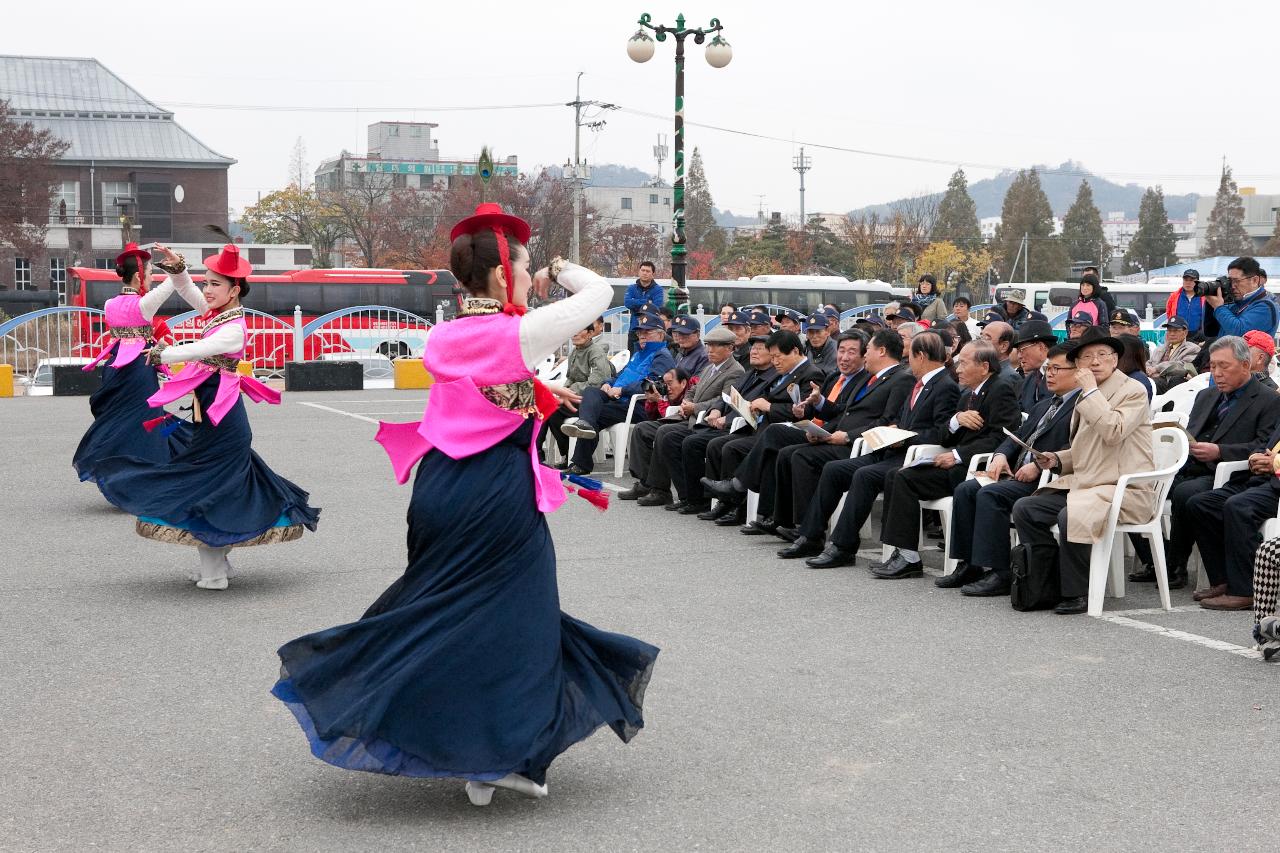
(6, 380)
(245, 368)
(411, 373)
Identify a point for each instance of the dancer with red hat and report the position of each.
(465, 667)
(120, 405)
(217, 493)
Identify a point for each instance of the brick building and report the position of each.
(127, 157)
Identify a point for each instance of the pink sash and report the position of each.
(230, 384)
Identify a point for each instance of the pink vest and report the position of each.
(482, 393)
(128, 326)
(230, 382)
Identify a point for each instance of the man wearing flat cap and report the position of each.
(1173, 362)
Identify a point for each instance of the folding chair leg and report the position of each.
(753, 504)
(620, 452)
(1099, 571)
(1115, 578)
(1162, 573)
(949, 564)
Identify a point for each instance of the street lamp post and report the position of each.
(640, 48)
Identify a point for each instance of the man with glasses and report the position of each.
(1110, 437)
(1253, 308)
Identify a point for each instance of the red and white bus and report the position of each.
(317, 292)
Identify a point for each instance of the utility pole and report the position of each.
(802, 164)
(577, 171)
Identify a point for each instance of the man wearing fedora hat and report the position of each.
(1110, 437)
(1032, 342)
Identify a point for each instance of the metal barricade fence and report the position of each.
(32, 343)
(373, 335)
(267, 339)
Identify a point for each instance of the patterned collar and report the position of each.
(130, 291)
(477, 306)
(224, 317)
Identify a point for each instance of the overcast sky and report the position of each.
(1136, 91)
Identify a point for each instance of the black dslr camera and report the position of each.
(659, 387)
(1220, 286)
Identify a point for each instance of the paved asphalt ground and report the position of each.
(790, 709)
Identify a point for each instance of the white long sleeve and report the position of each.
(544, 329)
(151, 301)
(227, 339)
(186, 288)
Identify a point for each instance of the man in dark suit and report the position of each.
(979, 535)
(688, 458)
(1032, 342)
(795, 374)
(823, 402)
(987, 407)
(877, 402)
(1229, 420)
(926, 412)
(1001, 335)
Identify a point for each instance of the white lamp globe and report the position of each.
(640, 47)
(719, 53)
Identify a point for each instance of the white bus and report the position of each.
(801, 292)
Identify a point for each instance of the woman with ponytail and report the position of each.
(217, 493)
(120, 405)
(465, 667)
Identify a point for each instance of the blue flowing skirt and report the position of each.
(119, 407)
(465, 667)
(215, 492)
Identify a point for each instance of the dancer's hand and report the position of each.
(542, 283)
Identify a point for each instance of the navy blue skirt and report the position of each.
(119, 407)
(465, 667)
(215, 492)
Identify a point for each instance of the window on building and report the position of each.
(66, 201)
(113, 191)
(625, 203)
(666, 200)
(105, 263)
(399, 181)
(257, 256)
(653, 198)
(58, 278)
(22, 274)
(416, 131)
(301, 257)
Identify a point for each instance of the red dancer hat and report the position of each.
(131, 250)
(229, 263)
(489, 217)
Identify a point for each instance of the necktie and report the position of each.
(832, 395)
(1042, 426)
(862, 392)
(1223, 405)
(915, 392)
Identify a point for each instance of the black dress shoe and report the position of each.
(964, 574)
(637, 491)
(898, 568)
(737, 518)
(578, 470)
(676, 506)
(760, 527)
(933, 532)
(698, 508)
(655, 498)
(717, 510)
(1178, 577)
(1071, 606)
(880, 564)
(802, 547)
(1147, 574)
(723, 489)
(790, 534)
(833, 557)
(990, 584)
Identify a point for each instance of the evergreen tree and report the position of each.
(1026, 211)
(700, 229)
(957, 220)
(1152, 246)
(1226, 234)
(1082, 233)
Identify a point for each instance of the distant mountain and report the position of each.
(1060, 185)
(610, 175)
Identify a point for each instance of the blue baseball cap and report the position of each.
(685, 325)
(1124, 315)
(790, 314)
(760, 317)
(831, 312)
(1176, 322)
(1080, 318)
(647, 322)
(738, 318)
(817, 320)
(871, 320)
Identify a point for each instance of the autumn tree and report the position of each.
(1026, 213)
(1154, 241)
(618, 250)
(950, 264)
(291, 215)
(1082, 233)
(361, 210)
(957, 220)
(1226, 234)
(27, 175)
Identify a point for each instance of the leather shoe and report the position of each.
(1209, 592)
(964, 574)
(1072, 606)
(880, 564)
(833, 557)
(1228, 602)
(694, 507)
(637, 491)
(737, 518)
(1177, 577)
(675, 505)
(1147, 574)
(990, 584)
(790, 534)
(723, 489)
(898, 568)
(933, 531)
(802, 547)
(717, 510)
(655, 498)
(760, 527)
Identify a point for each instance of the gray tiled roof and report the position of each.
(103, 118)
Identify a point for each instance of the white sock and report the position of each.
(909, 556)
(213, 565)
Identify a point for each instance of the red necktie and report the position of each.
(915, 392)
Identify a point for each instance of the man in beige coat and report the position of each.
(1110, 437)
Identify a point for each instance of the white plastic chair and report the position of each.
(613, 439)
(941, 505)
(914, 452)
(619, 360)
(1182, 396)
(1106, 560)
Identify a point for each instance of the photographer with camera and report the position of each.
(1239, 302)
(1187, 303)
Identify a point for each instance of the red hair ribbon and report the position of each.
(504, 252)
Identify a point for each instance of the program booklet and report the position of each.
(741, 405)
(1036, 454)
(812, 429)
(885, 436)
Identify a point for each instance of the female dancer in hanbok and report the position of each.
(217, 493)
(120, 406)
(465, 667)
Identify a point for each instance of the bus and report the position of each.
(804, 293)
(317, 292)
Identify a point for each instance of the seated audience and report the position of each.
(1031, 343)
(588, 367)
(1262, 348)
(1173, 362)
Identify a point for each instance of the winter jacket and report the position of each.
(638, 297)
(588, 367)
(1257, 311)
